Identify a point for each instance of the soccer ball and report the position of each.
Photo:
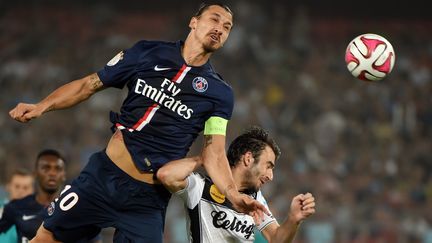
(369, 57)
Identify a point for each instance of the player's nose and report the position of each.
(270, 175)
(218, 28)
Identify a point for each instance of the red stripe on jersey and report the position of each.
(179, 73)
(144, 118)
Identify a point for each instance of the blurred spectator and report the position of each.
(19, 185)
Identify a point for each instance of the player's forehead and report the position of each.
(218, 11)
(267, 156)
(21, 179)
(50, 160)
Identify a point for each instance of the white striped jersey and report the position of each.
(211, 217)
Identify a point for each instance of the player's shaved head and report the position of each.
(48, 152)
(204, 6)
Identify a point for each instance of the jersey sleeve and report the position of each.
(268, 219)
(122, 67)
(224, 107)
(192, 193)
(5, 218)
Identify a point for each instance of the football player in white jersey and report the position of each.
(252, 158)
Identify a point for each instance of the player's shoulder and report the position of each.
(219, 87)
(197, 176)
(18, 204)
(145, 44)
(206, 180)
(205, 177)
(23, 201)
(218, 77)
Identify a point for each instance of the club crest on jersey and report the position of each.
(216, 195)
(50, 209)
(200, 84)
(116, 59)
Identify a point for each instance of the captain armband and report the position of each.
(215, 126)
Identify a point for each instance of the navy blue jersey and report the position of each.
(168, 102)
(103, 196)
(26, 214)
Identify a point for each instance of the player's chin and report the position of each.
(51, 188)
(212, 46)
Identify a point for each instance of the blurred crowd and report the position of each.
(363, 149)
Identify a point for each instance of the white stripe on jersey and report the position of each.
(148, 118)
(182, 75)
(152, 110)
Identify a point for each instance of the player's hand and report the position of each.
(302, 206)
(25, 112)
(245, 204)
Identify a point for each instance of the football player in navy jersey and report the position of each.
(28, 213)
(211, 218)
(19, 185)
(173, 95)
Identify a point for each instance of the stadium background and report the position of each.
(363, 149)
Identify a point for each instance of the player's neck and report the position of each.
(237, 176)
(194, 54)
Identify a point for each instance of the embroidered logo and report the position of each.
(28, 217)
(157, 68)
(116, 59)
(51, 208)
(216, 195)
(200, 84)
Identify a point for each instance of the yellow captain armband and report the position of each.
(215, 126)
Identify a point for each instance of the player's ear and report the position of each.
(63, 177)
(193, 23)
(248, 158)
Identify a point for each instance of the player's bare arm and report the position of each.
(65, 96)
(216, 164)
(302, 206)
(173, 175)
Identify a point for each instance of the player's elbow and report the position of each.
(164, 176)
(167, 179)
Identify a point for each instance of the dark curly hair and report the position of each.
(254, 140)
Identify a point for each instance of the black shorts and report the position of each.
(105, 196)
